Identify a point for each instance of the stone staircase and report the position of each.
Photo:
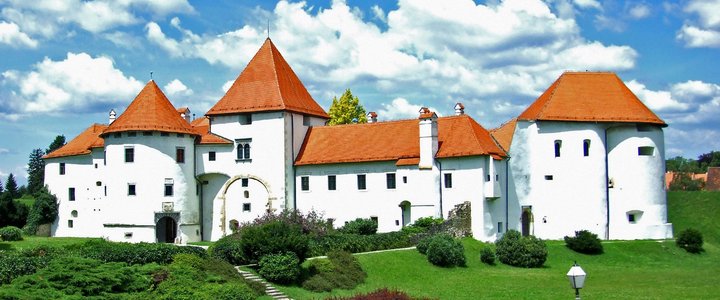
(269, 289)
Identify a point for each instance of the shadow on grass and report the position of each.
(6, 247)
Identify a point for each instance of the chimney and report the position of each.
(113, 116)
(372, 117)
(459, 109)
(428, 138)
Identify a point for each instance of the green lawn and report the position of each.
(627, 270)
(32, 241)
(28, 200)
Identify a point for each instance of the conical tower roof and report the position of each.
(267, 84)
(150, 111)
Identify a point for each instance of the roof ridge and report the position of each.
(503, 124)
(556, 84)
(275, 72)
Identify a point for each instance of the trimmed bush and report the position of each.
(360, 226)
(427, 222)
(444, 251)
(584, 242)
(355, 243)
(691, 240)
(11, 233)
(345, 273)
(140, 253)
(280, 268)
(521, 251)
(228, 249)
(487, 255)
(272, 238)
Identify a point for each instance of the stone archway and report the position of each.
(166, 227)
(242, 183)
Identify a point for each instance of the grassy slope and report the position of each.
(627, 270)
(28, 200)
(32, 241)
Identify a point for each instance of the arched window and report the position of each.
(74, 214)
(247, 151)
(243, 149)
(558, 144)
(240, 152)
(586, 148)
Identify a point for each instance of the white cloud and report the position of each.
(379, 13)
(400, 108)
(79, 83)
(705, 30)
(177, 88)
(4, 151)
(588, 4)
(226, 86)
(639, 11)
(10, 34)
(123, 39)
(658, 101)
(691, 102)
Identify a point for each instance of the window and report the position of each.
(168, 187)
(128, 235)
(361, 182)
(497, 177)
(646, 151)
(244, 182)
(448, 180)
(306, 120)
(105, 188)
(181, 135)
(164, 134)
(500, 227)
(74, 213)
(487, 177)
(586, 148)
(644, 127)
(71, 194)
(62, 168)
(246, 194)
(180, 155)
(243, 149)
(129, 155)
(246, 206)
(147, 133)
(305, 183)
(70, 223)
(558, 144)
(390, 180)
(104, 158)
(117, 135)
(132, 134)
(404, 179)
(548, 177)
(131, 189)
(374, 219)
(211, 156)
(332, 185)
(98, 183)
(245, 119)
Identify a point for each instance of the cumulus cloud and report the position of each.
(639, 11)
(588, 4)
(177, 88)
(79, 83)
(400, 108)
(704, 30)
(10, 34)
(4, 151)
(691, 102)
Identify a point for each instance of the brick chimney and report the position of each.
(428, 138)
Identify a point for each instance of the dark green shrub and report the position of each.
(280, 268)
(445, 252)
(427, 222)
(319, 283)
(346, 273)
(272, 238)
(423, 244)
(521, 251)
(140, 253)
(232, 291)
(312, 223)
(13, 266)
(360, 226)
(11, 233)
(487, 255)
(228, 249)
(584, 242)
(44, 210)
(355, 243)
(691, 240)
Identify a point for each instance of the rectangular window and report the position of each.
(180, 155)
(361, 182)
(500, 227)
(404, 179)
(631, 218)
(644, 127)
(164, 134)
(71, 194)
(169, 187)
(105, 158)
(70, 224)
(448, 180)
(244, 182)
(105, 189)
(246, 206)
(487, 177)
(306, 121)
(558, 144)
(129, 155)
(62, 168)
(646, 151)
(390, 180)
(132, 134)
(147, 133)
(245, 119)
(305, 183)
(211, 156)
(548, 177)
(332, 185)
(131, 189)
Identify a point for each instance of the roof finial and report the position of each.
(268, 28)
(151, 72)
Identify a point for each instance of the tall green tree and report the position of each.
(57, 143)
(36, 171)
(710, 159)
(44, 210)
(347, 110)
(11, 188)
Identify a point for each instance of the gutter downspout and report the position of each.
(607, 189)
(292, 159)
(200, 189)
(440, 187)
(507, 195)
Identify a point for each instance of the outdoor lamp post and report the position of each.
(576, 275)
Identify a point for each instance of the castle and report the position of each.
(587, 154)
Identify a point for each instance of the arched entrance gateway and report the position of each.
(244, 198)
(166, 229)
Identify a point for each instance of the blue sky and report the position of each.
(65, 64)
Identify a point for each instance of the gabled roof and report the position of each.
(267, 84)
(503, 135)
(81, 144)
(150, 111)
(202, 128)
(394, 140)
(590, 97)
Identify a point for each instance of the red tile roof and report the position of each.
(150, 111)
(81, 144)
(590, 97)
(394, 140)
(267, 84)
(202, 128)
(503, 135)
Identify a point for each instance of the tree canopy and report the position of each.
(689, 165)
(11, 188)
(36, 171)
(57, 143)
(346, 110)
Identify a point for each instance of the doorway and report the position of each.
(166, 230)
(527, 219)
(405, 207)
